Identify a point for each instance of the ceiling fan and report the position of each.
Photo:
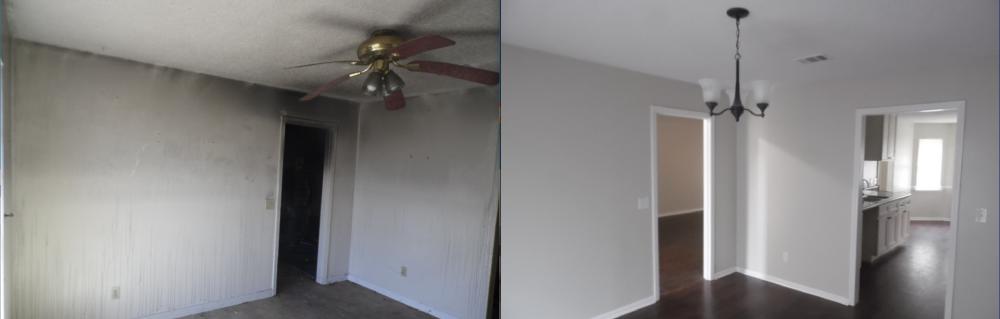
(385, 50)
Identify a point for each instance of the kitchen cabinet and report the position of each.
(885, 227)
(874, 128)
(880, 137)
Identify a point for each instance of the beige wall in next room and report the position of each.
(679, 165)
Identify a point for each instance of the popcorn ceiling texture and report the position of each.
(254, 40)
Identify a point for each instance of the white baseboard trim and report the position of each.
(394, 296)
(337, 278)
(628, 308)
(797, 286)
(724, 272)
(930, 219)
(209, 306)
(680, 212)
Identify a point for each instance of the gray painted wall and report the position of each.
(150, 179)
(426, 200)
(576, 157)
(798, 186)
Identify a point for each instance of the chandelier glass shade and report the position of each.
(712, 89)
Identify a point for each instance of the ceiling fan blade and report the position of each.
(333, 83)
(324, 62)
(395, 100)
(421, 45)
(456, 71)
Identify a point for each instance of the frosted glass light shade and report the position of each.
(761, 91)
(711, 91)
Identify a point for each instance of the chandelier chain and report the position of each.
(738, 56)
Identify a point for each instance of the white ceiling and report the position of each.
(253, 40)
(692, 39)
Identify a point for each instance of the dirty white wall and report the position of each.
(425, 200)
(148, 179)
(576, 158)
(679, 160)
(799, 163)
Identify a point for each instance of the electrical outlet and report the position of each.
(116, 293)
(402, 271)
(784, 256)
(642, 203)
(983, 214)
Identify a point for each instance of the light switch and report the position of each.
(642, 203)
(983, 213)
(269, 203)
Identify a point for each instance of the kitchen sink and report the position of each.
(873, 198)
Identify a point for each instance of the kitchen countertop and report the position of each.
(893, 196)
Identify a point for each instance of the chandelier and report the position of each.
(712, 88)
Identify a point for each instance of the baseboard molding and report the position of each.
(724, 272)
(337, 278)
(394, 296)
(628, 308)
(209, 306)
(680, 212)
(930, 219)
(797, 286)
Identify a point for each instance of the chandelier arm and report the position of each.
(720, 112)
(761, 114)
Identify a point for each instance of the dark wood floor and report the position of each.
(302, 298)
(909, 284)
(680, 252)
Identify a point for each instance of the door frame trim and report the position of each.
(855, 231)
(708, 185)
(326, 200)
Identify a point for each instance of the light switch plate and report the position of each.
(982, 216)
(269, 203)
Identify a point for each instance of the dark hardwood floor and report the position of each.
(909, 283)
(300, 297)
(680, 252)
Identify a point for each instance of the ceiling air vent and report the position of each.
(813, 59)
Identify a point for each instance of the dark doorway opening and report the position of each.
(301, 197)
(493, 301)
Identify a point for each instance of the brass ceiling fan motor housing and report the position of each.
(376, 49)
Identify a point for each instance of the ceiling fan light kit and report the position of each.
(712, 89)
(385, 49)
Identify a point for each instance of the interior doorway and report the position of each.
(907, 169)
(493, 298)
(304, 156)
(681, 151)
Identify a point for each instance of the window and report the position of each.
(930, 155)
